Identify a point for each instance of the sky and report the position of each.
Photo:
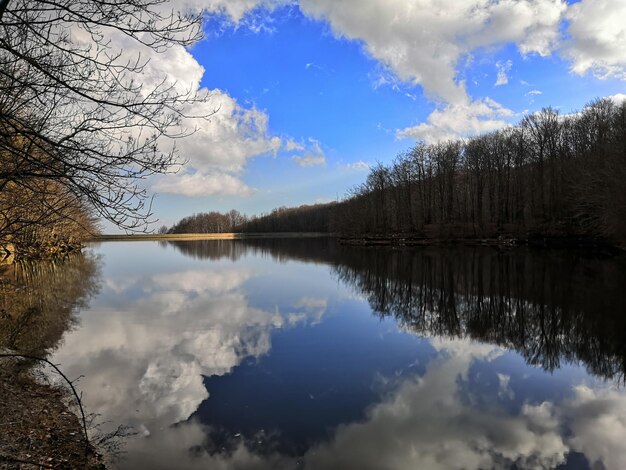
(309, 94)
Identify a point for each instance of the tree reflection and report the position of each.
(311, 249)
(550, 306)
(39, 301)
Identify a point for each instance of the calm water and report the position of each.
(303, 354)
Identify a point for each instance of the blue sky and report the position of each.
(311, 93)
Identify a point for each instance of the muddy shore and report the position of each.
(38, 428)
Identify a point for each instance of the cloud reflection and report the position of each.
(149, 340)
(147, 354)
(426, 423)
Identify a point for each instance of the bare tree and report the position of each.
(74, 108)
(550, 176)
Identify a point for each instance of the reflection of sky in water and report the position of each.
(259, 364)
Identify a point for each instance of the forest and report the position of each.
(305, 218)
(552, 175)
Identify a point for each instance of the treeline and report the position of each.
(550, 175)
(211, 222)
(310, 249)
(306, 218)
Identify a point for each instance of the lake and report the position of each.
(306, 354)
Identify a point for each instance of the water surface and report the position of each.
(306, 354)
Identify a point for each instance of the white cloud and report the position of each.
(235, 9)
(359, 165)
(598, 423)
(198, 184)
(219, 149)
(453, 121)
(310, 160)
(503, 68)
(311, 310)
(618, 98)
(313, 157)
(597, 43)
(449, 31)
(535, 92)
(230, 138)
(423, 41)
(292, 145)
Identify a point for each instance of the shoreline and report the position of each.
(505, 241)
(46, 431)
(206, 236)
(390, 240)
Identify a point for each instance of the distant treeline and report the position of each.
(551, 175)
(313, 218)
(211, 222)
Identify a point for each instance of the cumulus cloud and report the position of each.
(456, 120)
(219, 148)
(597, 38)
(168, 335)
(230, 138)
(236, 10)
(428, 55)
(198, 184)
(163, 334)
(598, 423)
(449, 31)
(441, 430)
